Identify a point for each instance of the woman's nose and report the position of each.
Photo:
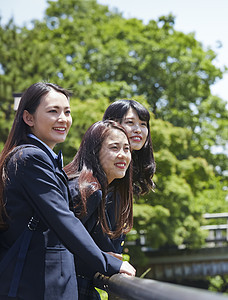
(62, 117)
(121, 153)
(137, 128)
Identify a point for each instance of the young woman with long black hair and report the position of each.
(39, 234)
(135, 118)
(101, 186)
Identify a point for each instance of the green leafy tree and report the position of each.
(101, 56)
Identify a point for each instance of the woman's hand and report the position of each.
(117, 255)
(127, 268)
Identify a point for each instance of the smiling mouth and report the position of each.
(136, 138)
(121, 165)
(60, 129)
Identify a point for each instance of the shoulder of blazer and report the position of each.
(95, 196)
(22, 153)
(26, 150)
(17, 153)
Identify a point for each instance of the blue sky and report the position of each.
(206, 18)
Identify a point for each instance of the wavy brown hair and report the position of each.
(91, 177)
(30, 101)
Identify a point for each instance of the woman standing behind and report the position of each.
(39, 233)
(100, 183)
(134, 117)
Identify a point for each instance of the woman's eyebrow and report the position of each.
(57, 106)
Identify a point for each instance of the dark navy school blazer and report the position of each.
(93, 226)
(37, 185)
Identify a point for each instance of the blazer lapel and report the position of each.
(59, 171)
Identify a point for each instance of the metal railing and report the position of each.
(125, 287)
(122, 287)
(216, 235)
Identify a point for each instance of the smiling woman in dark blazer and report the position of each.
(101, 187)
(39, 234)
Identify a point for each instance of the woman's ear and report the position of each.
(28, 118)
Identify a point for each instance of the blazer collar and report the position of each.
(45, 149)
(56, 164)
(59, 171)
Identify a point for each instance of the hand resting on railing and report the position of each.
(125, 268)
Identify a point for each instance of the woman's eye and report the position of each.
(144, 124)
(53, 111)
(68, 112)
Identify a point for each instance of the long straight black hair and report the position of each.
(143, 160)
(91, 177)
(30, 101)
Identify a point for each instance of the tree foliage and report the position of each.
(101, 56)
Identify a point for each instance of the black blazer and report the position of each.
(37, 185)
(93, 226)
